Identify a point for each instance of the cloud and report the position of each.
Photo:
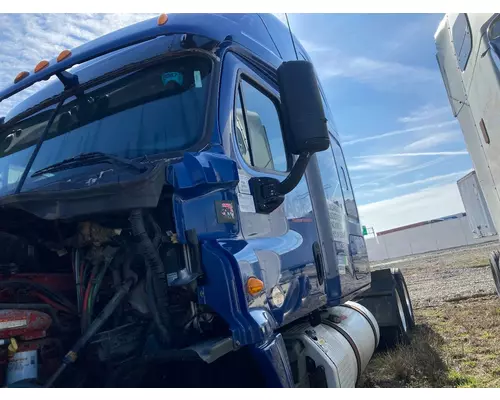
(435, 178)
(414, 168)
(426, 112)
(376, 163)
(433, 141)
(367, 184)
(399, 132)
(382, 162)
(314, 47)
(432, 179)
(426, 204)
(425, 154)
(383, 176)
(383, 74)
(28, 38)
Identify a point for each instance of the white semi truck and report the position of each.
(477, 212)
(468, 54)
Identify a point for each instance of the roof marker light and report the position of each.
(41, 65)
(20, 76)
(63, 55)
(162, 19)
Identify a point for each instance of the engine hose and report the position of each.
(101, 319)
(150, 297)
(157, 236)
(98, 283)
(58, 297)
(153, 261)
(86, 300)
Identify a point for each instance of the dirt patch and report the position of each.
(457, 339)
(447, 275)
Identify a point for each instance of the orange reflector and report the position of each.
(20, 76)
(41, 65)
(63, 55)
(254, 286)
(162, 19)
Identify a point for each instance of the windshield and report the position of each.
(158, 109)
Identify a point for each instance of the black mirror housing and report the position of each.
(305, 124)
(305, 130)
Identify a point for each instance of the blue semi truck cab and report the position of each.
(176, 211)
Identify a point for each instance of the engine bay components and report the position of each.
(21, 334)
(100, 295)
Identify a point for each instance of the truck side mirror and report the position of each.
(304, 120)
(305, 129)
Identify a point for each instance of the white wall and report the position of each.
(421, 239)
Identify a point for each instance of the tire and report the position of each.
(404, 296)
(495, 269)
(391, 336)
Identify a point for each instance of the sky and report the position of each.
(403, 148)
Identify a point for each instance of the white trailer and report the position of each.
(477, 213)
(468, 54)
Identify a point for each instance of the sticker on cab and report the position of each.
(197, 79)
(172, 77)
(225, 212)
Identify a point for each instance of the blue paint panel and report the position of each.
(223, 292)
(298, 280)
(198, 171)
(273, 360)
(286, 236)
(199, 213)
(200, 180)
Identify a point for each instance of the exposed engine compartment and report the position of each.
(89, 302)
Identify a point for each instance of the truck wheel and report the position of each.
(495, 269)
(404, 296)
(391, 336)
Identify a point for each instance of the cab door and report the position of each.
(281, 248)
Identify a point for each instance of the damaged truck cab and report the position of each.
(175, 210)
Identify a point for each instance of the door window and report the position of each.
(258, 129)
(350, 203)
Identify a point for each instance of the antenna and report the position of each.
(291, 36)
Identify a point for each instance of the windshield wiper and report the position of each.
(85, 159)
(69, 81)
(38, 146)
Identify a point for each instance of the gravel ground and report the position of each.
(456, 342)
(447, 275)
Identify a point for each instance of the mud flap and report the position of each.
(382, 301)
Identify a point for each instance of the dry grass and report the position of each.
(454, 345)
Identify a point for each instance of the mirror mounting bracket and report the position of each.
(269, 193)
